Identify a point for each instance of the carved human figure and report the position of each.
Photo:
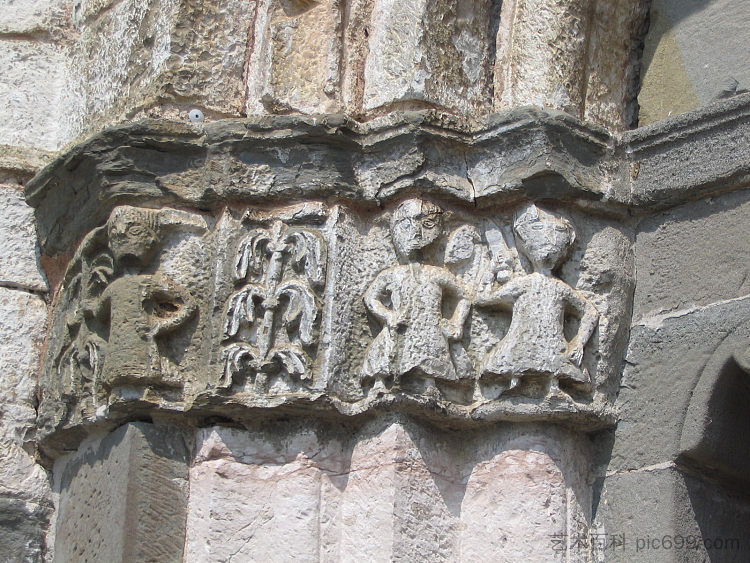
(408, 300)
(535, 344)
(141, 308)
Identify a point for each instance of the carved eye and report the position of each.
(537, 227)
(428, 223)
(137, 231)
(561, 229)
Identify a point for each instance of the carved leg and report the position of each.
(261, 383)
(379, 387)
(430, 389)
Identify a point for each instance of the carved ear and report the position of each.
(176, 218)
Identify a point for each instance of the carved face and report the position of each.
(416, 224)
(545, 238)
(131, 241)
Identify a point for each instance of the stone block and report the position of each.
(613, 60)
(542, 61)
(30, 87)
(114, 62)
(248, 492)
(298, 63)
(693, 255)
(662, 514)
(690, 156)
(664, 361)
(123, 498)
(695, 53)
(205, 53)
(19, 262)
(437, 53)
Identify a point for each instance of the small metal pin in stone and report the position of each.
(196, 115)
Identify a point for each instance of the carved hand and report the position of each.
(397, 319)
(450, 330)
(575, 354)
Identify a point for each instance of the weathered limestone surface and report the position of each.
(444, 296)
(443, 310)
(75, 68)
(694, 55)
(24, 488)
(19, 262)
(441, 53)
(547, 54)
(401, 325)
(31, 16)
(31, 87)
(123, 497)
(389, 490)
(295, 62)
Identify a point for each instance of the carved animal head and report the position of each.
(415, 225)
(132, 235)
(544, 237)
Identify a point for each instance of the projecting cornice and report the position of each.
(520, 153)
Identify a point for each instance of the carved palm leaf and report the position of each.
(238, 358)
(241, 309)
(94, 347)
(73, 305)
(100, 273)
(250, 253)
(67, 370)
(301, 307)
(293, 359)
(308, 254)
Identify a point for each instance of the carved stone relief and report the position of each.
(270, 320)
(494, 313)
(116, 310)
(489, 273)
(408, 299)
(541, 304)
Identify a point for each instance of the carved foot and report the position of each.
(554, 387)
(430, 389)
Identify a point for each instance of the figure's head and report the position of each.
(132, 234)
(415, 225)
(545, 238)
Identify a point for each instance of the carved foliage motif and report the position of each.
(270, 320)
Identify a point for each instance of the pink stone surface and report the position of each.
(385, 492)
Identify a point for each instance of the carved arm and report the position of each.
(589, 319)
(166, 291)
(506, 295)
(453, 328)
(374, 304)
